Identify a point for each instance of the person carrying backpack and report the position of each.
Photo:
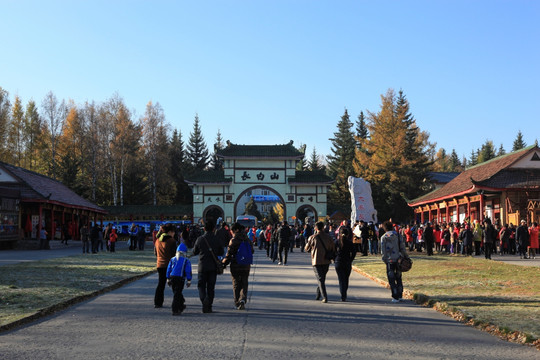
(240, 256)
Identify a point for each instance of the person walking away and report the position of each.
(112, 240)
(318, 244)
(107, 235)
(489, 238)
(533, 240)
(345, 254)
(292, 238)
(274, 241)
(467, 237)
(284, 234)
(164, 249)
(429, 239)
(392, 247)
(445, 239)
(85, 238)
(207, 246)
(478, 234)
(94, 238)
(522, 238)
(141, 237)
(133, 237)
(178, 271)
(504, 236)
(240, 257)
(437, 234)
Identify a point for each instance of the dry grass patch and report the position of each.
(485, 293)
(28, 288)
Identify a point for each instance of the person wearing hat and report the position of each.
(522, 238)
(178, 271)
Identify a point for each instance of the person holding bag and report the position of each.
(208, 248)
(392, 248)
(320, 244)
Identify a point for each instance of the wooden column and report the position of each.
(481, 208)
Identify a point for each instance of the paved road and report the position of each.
(282, 321)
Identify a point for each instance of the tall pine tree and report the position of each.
(519, 143)
(216, 162)
(340, 164)
(196, 149)
(396, 159)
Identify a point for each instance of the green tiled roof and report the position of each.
(265, 151)
(166, 210)
(210, 177)
(303, 177)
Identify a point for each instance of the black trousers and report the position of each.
(207, 287)
(283, 248)
(240, 282)
(160, 289)
(343, 271)
(320, 274)
(177, 285)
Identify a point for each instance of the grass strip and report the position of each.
(501, 298)
(33, 289)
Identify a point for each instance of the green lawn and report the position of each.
(474, 290)
(28, 288)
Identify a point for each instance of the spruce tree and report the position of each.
(178, 168)
(196, 150)
(340, 163)
(518, 142)
(216, 163)
(361, 129)
(501, 151)
(313, 163)
(455, 165)
(487, 152)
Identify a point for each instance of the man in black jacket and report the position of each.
(489, 238)
(522, 238)
(208, 248)
(283, 237)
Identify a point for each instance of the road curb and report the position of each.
(424, 300)
(67, 303)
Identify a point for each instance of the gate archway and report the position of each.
(306, 211)
(261, 187)
(212, 213)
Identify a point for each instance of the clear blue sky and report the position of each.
(266, 72)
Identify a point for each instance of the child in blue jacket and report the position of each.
(178, 271)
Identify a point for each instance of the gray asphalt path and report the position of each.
(282, 321)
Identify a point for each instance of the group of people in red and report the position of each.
(474, 237)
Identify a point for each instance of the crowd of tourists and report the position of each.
(473, 238)
(327, 243)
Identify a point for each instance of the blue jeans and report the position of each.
(394, 279)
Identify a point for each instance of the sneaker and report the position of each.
(324, 300)
(242, 305)
(395, 300)
(279, 263)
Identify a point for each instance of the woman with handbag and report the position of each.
(392, 248)
(208, 248)
(322, 248)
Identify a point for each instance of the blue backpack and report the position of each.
(244, 256)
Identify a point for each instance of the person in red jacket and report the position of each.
(112, 240)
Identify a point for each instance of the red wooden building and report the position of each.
(30, 201)
(505, 189)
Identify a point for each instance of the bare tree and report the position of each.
(54, 114)
(154, 131)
